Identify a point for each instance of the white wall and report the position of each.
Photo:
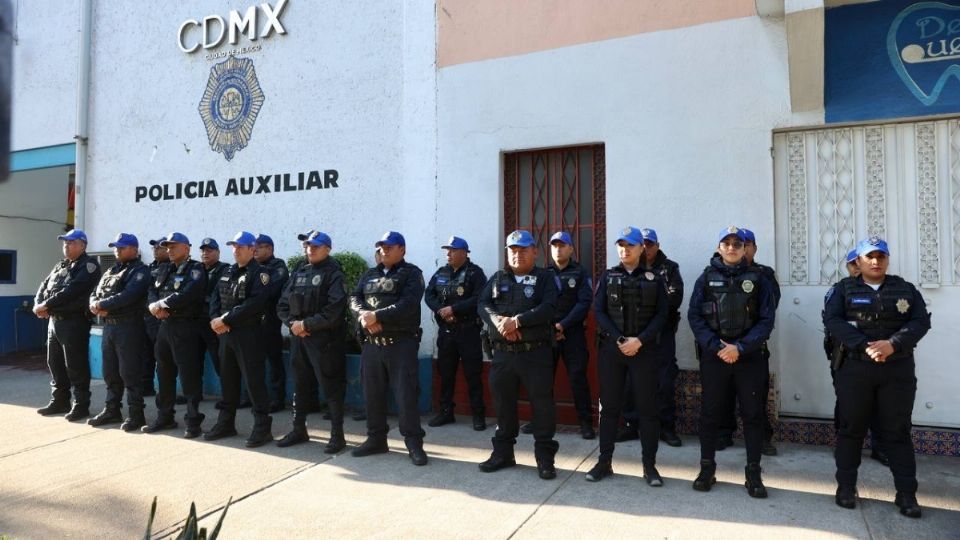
(42, 195)
(685, 116)
(44, 73)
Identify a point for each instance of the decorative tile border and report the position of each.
(928, 441)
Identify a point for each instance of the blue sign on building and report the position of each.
(891, 59)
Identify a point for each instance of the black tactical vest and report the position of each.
(631, 300)
(235, 284)
(452, 288)
(172, 278)
(571, 279)
(60, 278)
(114, 281)
(380, 291)
(511, 298)
(878, 314)
(309, 293)
(731, 304)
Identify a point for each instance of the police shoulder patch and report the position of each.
(91, 267)
(195, 274)
(264, 278)
(829, 295)
(139, 276)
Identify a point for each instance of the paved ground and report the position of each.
(62, 480)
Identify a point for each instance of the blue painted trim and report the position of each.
(13, 267)
(31, 331)
(41, 158)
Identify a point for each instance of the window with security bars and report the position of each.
(8, 266)
(559, 189)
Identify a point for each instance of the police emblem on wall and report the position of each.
(230, 105)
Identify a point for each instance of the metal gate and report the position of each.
(834, 186)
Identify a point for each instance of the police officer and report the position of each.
(312, 306)
(180, 296)
(386, 303)
(62, 298)
(631, 307)
(878, 318)
(151, 323)
(518, 305)
(731, 314)
(236, 309)
(654, 260)
(210, 257)
(452, 297)
(573, 305)
(270, 328)
(121, 298)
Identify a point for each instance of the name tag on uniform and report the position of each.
(861, 300)
(717, 284)
(225, 278)
(529, 280)
(441, 281)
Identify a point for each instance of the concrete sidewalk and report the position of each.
(63, 480)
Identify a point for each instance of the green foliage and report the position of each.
(295, 261)
(191, 531)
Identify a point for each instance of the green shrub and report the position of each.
(190, 531)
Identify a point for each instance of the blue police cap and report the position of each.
(264, 239)
(649, 235)
(317, 238)
(455, 242)
(851, 255)
(210, 243)
(73, 234)
(125, 240)
(175, 238)
(748, 236)
(243, 238)
(562, 236)
(731, 231)
(874, 243)
(391, 238)
(631, 235)
(158, 241)
(304, 236)
(520, 238)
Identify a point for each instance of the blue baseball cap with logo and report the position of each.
(317, 238)
(851, 256)
(73, 234)
(874, 243)
(748, 236)
(520, 238)
(649, 235)
(210, 243)
(731, 231)
(562, 236)
(391, 238)
(264, 239)
(175, 238)
(304, 236)
(158, 241)
(455, 242)
(243, 238)
(631, 235)
(124, 240)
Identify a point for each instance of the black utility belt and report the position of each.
(68, 316)
(523, 346)
(384, 341)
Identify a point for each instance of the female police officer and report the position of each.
(631, 309)
(879, 319)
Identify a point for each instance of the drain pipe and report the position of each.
(83, 114)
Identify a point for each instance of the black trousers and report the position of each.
(319, 359)
(241, 358)
(728, 424)
(876, 442)
(573, 349)
(392, 367)
(122, 348)
(889, 389)
(68, 358)
(667, 371)
(457, 344)
(533, 370)
(273, 350)
(613, 370)
(747, 379)
(209, 344)
(176, 353)
(151, 326)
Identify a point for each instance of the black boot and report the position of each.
(56, 406)
(109, 415)
(261, 433)
(754, 484)
(193, 429)
(224, 427)
(846, 496)
(135, 420)
(415, 450)
(907, 502)
(546, 469)
(479, 421)
(652, 475)
(297, 435)
(337, 441)
(78, 412)
(445, 416)
(498, 460)
(162, 423)
(669, 436)
(707, 477)
(586, 430)
(370, 447)
(629, 432)
(601, 470)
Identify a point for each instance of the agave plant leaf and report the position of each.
(153, 513)
(216, 530)
(189, 531)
